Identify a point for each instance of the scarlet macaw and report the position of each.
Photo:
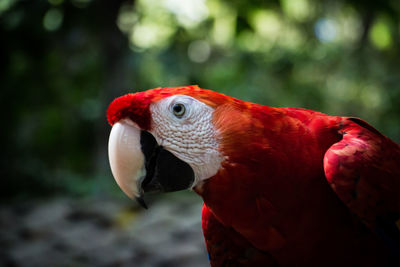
(281, 186)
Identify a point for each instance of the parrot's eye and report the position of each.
(179, 110)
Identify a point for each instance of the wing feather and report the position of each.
(364, 171)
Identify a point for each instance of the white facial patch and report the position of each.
(183, 125)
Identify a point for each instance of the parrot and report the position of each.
(280, 186)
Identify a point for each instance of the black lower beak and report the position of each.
(164, 171)
(141, 202)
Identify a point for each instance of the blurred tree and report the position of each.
(63, 61)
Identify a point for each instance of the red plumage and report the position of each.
(296, 187)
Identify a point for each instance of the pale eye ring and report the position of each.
(179, 110)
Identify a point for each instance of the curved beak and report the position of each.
(126, 157)
(139, 165)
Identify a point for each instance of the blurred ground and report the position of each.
(102, 232)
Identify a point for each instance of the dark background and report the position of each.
(63, 61)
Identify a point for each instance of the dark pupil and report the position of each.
(178, 108)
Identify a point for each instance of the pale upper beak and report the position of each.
(127, 160)
(140, 165)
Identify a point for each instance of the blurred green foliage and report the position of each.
(63, 61)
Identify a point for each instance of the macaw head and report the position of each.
(165, 139)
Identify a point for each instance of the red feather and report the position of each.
(272, 200)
